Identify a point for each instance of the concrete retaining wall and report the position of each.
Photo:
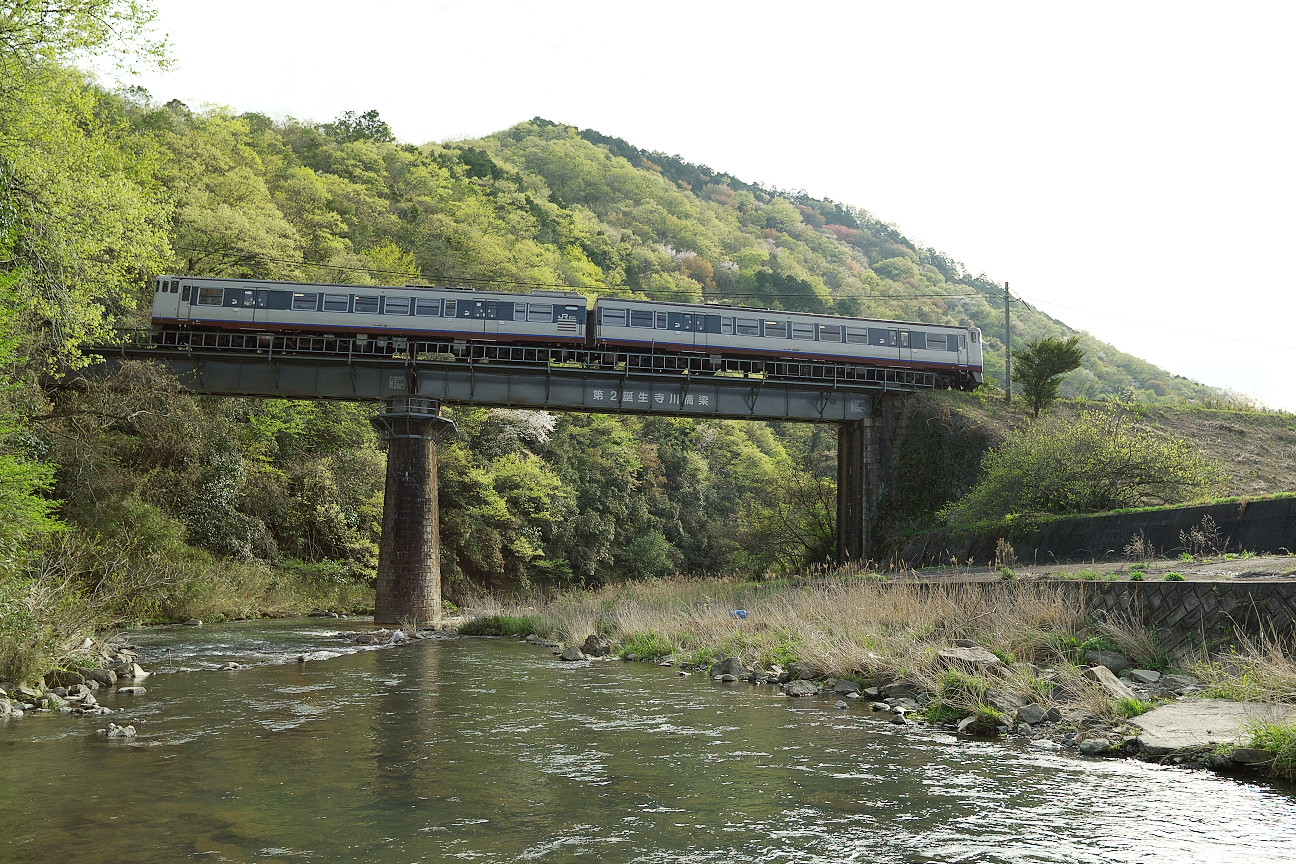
(1257, 526)
(1191, 616)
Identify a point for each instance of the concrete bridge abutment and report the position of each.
(861, 448)
(408, 587)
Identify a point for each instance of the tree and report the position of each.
(1041, 365)
(350, 126)
(1097, 462)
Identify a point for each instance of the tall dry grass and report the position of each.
(852, 628)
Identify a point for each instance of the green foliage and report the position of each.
(1041, 365)
(1131, 707)
(519, 626)
(1100, 461)
(646, 645)
(1279, 738)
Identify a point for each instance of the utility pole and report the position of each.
(1007, 345)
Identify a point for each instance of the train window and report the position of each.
(802, 331)
(366, 305)
(747, 326)
(936, 342)
(427, 307)
(450, 308)
(159, 287)
(904, 338)
(210, 296)
(661, 320)
(175, 285)
(776, 329)
(726, 325)
(614, 317)
(184, 295)
(396, 306)
(962, 342)
(641, 318)
(305, 301)
(337, 302)
(857, 335)
(830, 333)
(976, 336)
(519, 311)
(918, 340)
(540, 312)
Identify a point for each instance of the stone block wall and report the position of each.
(1190, 616)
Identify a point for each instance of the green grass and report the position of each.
(1174, 577)
(1128, 707)
(1280, 740)
(646, 645)
(520, 626)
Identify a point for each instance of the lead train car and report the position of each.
(954, 352)
(560, 318)
(342, 310)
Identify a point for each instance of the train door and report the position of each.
(906, 347)
(478, 317)
(685, 328)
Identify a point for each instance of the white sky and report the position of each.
(1126, 166)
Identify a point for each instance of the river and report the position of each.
(486, 750)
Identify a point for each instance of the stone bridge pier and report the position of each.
(408, 587)
(859, 481)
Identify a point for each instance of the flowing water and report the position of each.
(492, 751)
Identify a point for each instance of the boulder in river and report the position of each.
(597, 646)
(800, 688)
(571, 654)
(728, 666)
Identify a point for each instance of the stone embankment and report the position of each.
(72, 691)
(1185, 729)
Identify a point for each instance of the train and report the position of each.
(708, 336)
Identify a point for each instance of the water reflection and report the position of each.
(485, 750)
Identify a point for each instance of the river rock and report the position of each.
(1117, 663)
(571, 654)
(841, 704)
(6, 707)
(194, 622)
(802, 672)
(597, 646)
(101, 677)
(974, 658)
(899, 720)
(844, 686)
(130, 672)
(115, 731)
(132, 691)
(976, 725)
(879, 706)
(1109, 682)
(1252, 756)
(1094, 746)
(800, 688)
(1035, 714)
(1144, 676)
(1004, 702)
(900, 690)
(229, 667)
(63, 678)
(728, 666)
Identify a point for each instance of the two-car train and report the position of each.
(564, 320)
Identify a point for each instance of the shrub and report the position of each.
(520, 626)
(1174, 577)
(1100, 461)
(1280, 740)
(646, 645)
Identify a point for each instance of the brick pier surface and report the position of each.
(408, 587)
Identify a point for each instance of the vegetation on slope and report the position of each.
(129, 500)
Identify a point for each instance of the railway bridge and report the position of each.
(413, 384)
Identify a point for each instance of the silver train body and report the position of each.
(564, 319)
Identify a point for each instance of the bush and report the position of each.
(1174, 577)
(1097, 462)
(520, 626)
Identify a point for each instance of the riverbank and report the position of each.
(1007, 658)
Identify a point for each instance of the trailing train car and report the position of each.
(447, 314)
(730, 330)
(563, 320)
